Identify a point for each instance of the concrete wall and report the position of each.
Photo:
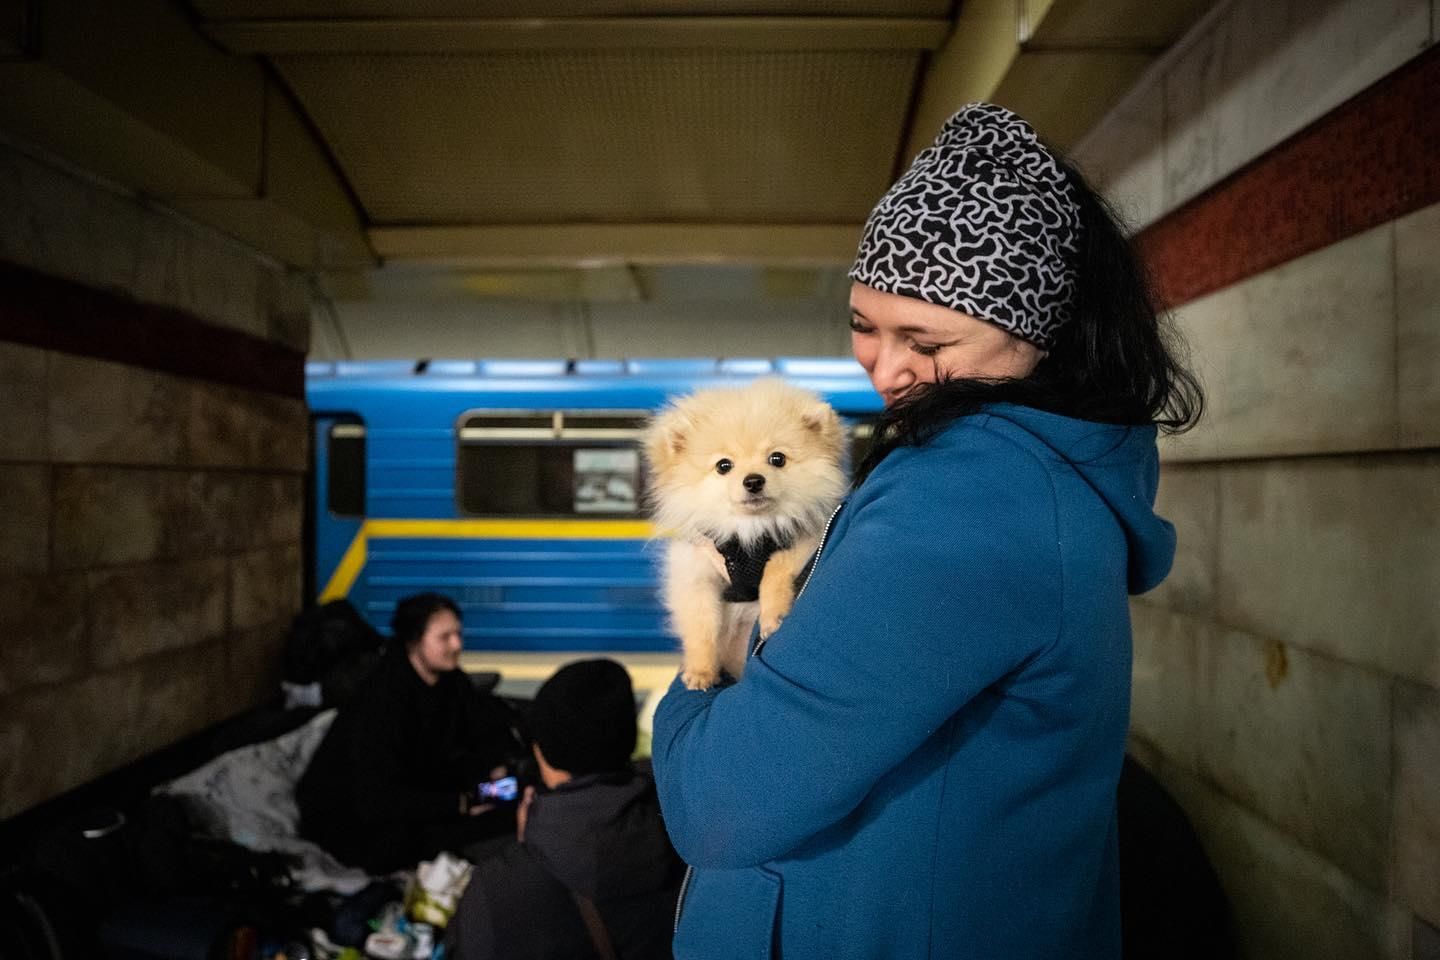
(150, 523)
(1287, 675)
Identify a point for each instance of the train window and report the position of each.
(563, 463)
(346, 470)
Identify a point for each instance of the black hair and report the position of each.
(1118, 359)
(413, 613)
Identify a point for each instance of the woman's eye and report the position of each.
(723, 466)
(858, 327)
(925, 349)
(777, 459)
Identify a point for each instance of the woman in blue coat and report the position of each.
(922, 760)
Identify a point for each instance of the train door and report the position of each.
(338, 507)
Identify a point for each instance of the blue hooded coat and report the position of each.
(922, 761)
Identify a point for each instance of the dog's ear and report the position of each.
(822, 420)
(666, 437)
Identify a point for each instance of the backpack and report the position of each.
(334, 646)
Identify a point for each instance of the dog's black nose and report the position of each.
(754, 482)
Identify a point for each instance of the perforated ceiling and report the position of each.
(565, 132)
(621, 136)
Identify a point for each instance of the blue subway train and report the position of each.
(514, 486)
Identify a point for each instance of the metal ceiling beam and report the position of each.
(276, 37)
(597, 244)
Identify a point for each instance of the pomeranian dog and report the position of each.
(742, 480)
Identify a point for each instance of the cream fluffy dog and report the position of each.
(742, 480)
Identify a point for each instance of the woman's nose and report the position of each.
(892, 374)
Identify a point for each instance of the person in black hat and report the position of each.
(591, 872)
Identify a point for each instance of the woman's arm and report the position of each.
(946, 578)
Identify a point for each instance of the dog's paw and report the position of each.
(769, 624)
(700, 679)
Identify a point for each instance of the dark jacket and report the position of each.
(384, 787)
(922, 760)
(600, 836)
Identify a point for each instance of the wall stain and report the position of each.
(1277, 665)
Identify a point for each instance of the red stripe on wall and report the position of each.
(1371, 159)
(56, 314)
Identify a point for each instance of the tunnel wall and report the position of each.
(1279, 164)
(153, 443)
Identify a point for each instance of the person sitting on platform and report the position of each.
(393, 781)
(591, 872)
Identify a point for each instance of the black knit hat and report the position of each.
(583, 717)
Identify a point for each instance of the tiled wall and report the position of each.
(1250, 74)
(1287, 675)
(150, 523)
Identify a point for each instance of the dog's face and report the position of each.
(766, 457)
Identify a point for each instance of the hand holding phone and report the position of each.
(503, 790)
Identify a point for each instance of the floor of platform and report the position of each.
(522, 673)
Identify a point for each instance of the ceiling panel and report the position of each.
(612, 136)
(415, 9)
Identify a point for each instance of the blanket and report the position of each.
(248, 796)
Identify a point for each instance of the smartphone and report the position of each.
(504, 790)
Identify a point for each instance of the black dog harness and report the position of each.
(746, 566)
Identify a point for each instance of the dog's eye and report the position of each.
(724, 466)
(777, 459)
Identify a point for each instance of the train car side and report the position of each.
(513, 486)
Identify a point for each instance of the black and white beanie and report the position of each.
(984, 222)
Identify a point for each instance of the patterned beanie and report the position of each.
(984, 222)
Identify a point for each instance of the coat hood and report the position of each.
(1122, 466)
(602, 832)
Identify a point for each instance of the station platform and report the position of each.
(522, 673)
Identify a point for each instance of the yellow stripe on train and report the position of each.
(355, 555)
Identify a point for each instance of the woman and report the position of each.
(922, 761)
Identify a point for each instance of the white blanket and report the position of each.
(248, 796)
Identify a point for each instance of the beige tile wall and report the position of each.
(1300, 359)
(24, 434)
(1291, 670)
(1338, 350)
(1287, 674)
(150, 524)
(1339, 555)
(159, 531)
(1248, 76)
(155, 532)
(63, 224)
(1417, 798)
(1289, 903)
(1417, 310)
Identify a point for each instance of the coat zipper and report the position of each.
(680, 901)
(825, 535)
